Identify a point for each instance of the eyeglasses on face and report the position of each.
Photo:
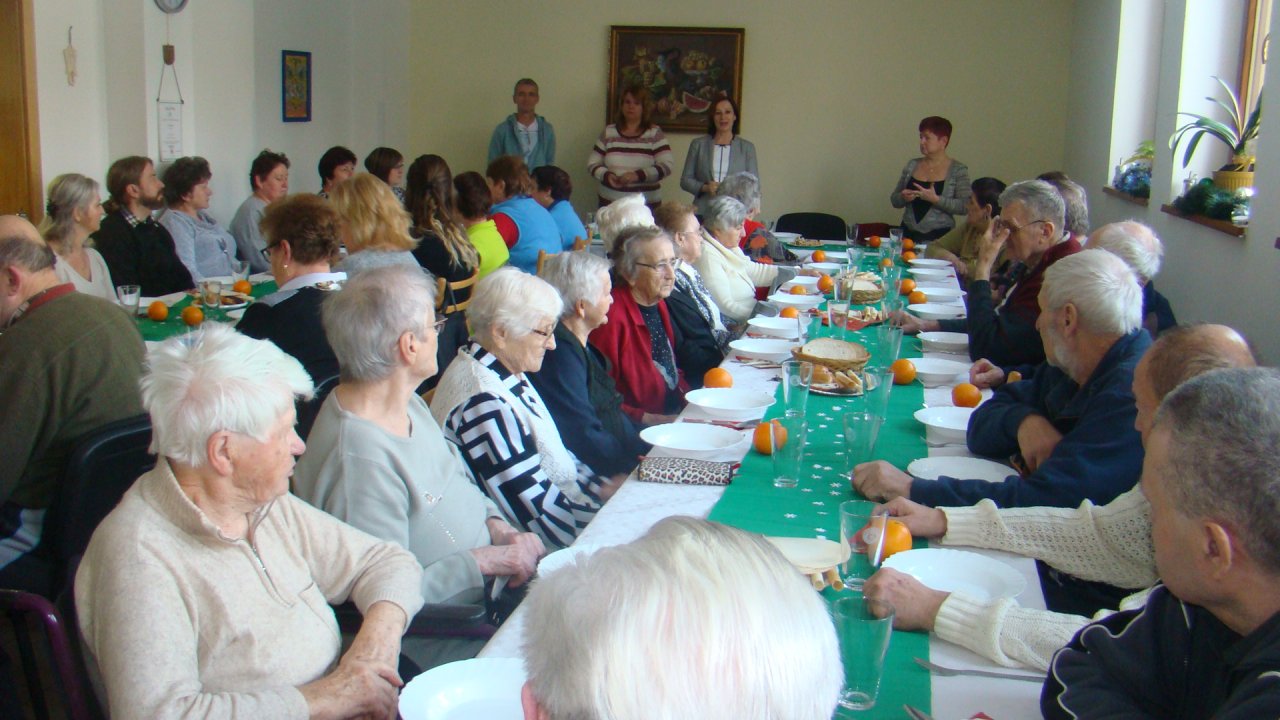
(666, 265)
(1015, 229)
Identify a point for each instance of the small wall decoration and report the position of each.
(295, 86)
(684, 69)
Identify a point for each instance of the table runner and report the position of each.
(173, 325)
(812, 509)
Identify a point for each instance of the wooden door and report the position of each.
(20, 184)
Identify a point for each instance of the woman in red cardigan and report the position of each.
(638, 338)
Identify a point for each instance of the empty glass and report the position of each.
(864, 627)
(888, 341)
(239, 270)
(861, 429)
(864, 534)
(796, 377)
(787, 438)
(877, 381)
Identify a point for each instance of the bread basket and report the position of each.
(832, 353)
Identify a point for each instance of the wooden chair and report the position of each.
(542, 258)
(581, 243)
(445, 291)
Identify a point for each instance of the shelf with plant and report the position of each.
(1239, 134)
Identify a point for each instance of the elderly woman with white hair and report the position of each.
(378, 459)
(731, 276)
(627, 211)
(574, 380)
(206, 591)
(488, 408)
(73, 212)
(639, 340)
(704, 337)
(657, 607)
(1140, 248)
(757, 242)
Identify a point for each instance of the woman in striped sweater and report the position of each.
(631, 155)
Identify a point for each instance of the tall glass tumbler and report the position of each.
(888, 341)
(861, 430)
(787, 436)
(864, 627)
(796, 378)
(877, 382)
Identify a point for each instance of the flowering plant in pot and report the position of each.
(1238, 133)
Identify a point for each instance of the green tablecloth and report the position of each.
(173, 325)
(812, 509)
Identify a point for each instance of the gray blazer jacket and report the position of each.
(697, 166)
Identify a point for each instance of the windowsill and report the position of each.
(1221, 226)
(1122, 195)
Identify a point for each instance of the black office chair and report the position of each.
(308, 409)
(814, 225)
(40, 668)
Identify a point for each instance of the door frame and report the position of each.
(31, 120)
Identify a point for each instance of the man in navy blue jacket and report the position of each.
(1070, 421)
(1207, 644)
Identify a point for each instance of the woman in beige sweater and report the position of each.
(206, 592)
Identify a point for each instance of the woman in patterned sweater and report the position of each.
(632, 154)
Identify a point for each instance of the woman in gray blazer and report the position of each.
(717, 155)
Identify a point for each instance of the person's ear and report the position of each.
(1219, 548)
(133, 191)
(286, 252)
(218, 452)
(580, 309)
(1070, 320)
(533, 709)
(407, 345)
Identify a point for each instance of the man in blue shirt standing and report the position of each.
(524, 132)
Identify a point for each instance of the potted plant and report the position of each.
(1238, 134)
(1133, 174)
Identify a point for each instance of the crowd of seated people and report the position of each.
(1141, 484)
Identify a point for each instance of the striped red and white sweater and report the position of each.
(648, 153)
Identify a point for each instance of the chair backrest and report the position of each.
(542, 258)
(35, 640)
(581, 243)
(102, 466)
(307, 410)
(445, 292)
(815, 225)
(866, 230)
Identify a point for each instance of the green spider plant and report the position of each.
(1236, 134)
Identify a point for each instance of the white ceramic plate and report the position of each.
(947, 342)
(929, 263)
(809, 282)
(946, 295)
(936, 311)
(692, 440)
(477, 688)
(774, 326)
(762, 349)
(811, 555)
(944, 425)
(959, 571)
(837, 255)
(236, 314)
(931, 274)
(965, 468)
(799, 301)
(785, 236)
(825, 267)
(731, 403)
(935, 372)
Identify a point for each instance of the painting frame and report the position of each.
(295, 86)
(710, 65)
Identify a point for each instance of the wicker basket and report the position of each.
(864, 297)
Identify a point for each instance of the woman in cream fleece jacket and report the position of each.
(730, 276)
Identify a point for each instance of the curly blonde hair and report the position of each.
(374, 217)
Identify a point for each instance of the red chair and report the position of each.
(34, 639)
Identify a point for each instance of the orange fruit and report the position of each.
(717, 377)
(192, 315)
(760, 438)
(897, 538)
(243, 286)
(819, 255)
(906, 286)
(158, 311)
(917, 298)
(886, 262)
(789, 312)
(799, 290)
(873, 241)
(904, 371)
(826, 284)
(966, 395)
(1014, 376)
(908, 256)
(908, 243)
(765, 260)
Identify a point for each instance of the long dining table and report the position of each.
(811, 509)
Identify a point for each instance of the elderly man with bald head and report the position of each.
(69, 364)
(1139, 247)
(1101, 544)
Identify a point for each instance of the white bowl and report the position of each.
(956, 466)
(947, 342)
(936, 311)
(826, 267)
(692, 440)
(479, 687)
(837, 255)
(809, 282)
(935, 372)
(929, 274)
(762, 349)
(929, 263)
(774, 326)
(798, 301)
(731, 403)
(785, 236)
(944, 425)
(943, 295)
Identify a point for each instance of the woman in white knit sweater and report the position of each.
(729, 274)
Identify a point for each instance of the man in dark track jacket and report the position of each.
(1207, 644)
(137, 249)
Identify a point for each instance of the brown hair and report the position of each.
(474, 198)
(511, 171)
(124, 172)
(939, 126)
(429, 200)
(310, 225)
(641, 94)
(669, 215)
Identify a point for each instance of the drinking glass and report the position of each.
(855, 259)
(129, 296)
(864, 627)
(889, 341)
(239, 270)
(895, 234)
(863, 532)
(211, 294)
(860, 432)
(892, 277)
(877, 381)
(838, 316)
(796, 377)
(787, 437)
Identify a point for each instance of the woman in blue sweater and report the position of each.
(552, 191)
(525, 225)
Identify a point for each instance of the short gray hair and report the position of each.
(1224, 427)
(657, 608)
(1103, 289)
(512, 299)
(629, 244)
(365, 319)
(1042, 201)
(577, 276)
(743, 187)
(67, 193)
(626, 211)
(724, 213)
(212, 380)
(21, 246)
(1076, 204)
(1134, 243)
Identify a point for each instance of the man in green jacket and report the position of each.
(524, 132)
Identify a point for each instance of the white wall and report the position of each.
(73, 119)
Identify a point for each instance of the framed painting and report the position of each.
(295, 86)
(684, 69)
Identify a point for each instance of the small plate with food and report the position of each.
(839, 383)
(235, 300)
